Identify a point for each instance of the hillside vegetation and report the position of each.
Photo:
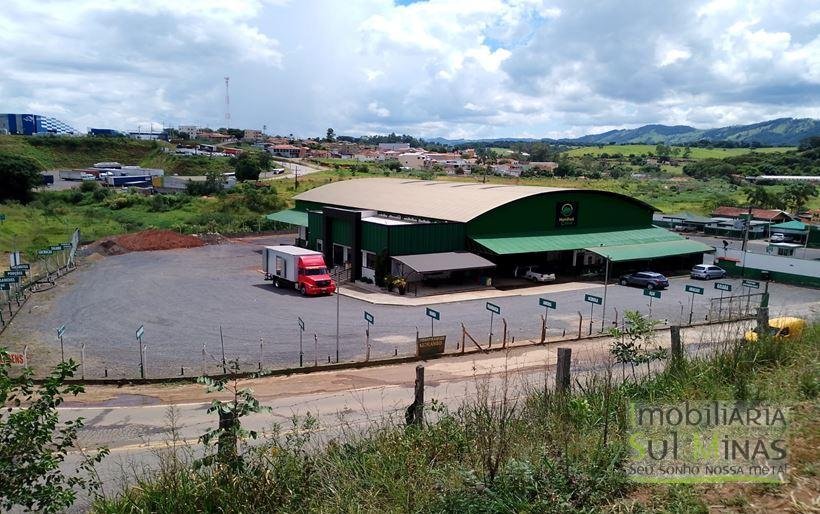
(77, 152)
(695, 152)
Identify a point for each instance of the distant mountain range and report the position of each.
(779, 132)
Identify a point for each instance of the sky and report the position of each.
(435, 68)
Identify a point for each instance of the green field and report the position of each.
(696, 153)
(77, 152)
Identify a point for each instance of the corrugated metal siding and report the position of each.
(342, 232)
(426, 238)
(374, 237)
(315, 226)
(596, 210)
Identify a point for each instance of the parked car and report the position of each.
(782, 328)
(777, 237)
(645, 279)
(707, 271)
(538, 274)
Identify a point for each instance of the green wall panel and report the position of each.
(374, 237)
(342, 232)
(426, 238)
(315, 224)
(596, 210)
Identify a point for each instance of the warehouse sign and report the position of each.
(652, 293)
(549, 304)
(495, 309)
(9, 280)
(427, 346)
(368, 317)
(720, 286)
(46, 251)
(566, 214)
(752, 284)
(433, 313)
(65, 246)
(21, 267)
(56, 248)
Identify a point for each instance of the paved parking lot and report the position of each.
(182, 297)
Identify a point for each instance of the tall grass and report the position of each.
(536, 452)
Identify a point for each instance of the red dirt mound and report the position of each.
(156, 240)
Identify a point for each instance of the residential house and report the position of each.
(767, 215)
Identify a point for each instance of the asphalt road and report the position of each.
(183, 297)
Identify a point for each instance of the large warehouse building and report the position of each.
(32, 124)
(426, 228)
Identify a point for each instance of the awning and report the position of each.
(552, 242)
(646, 251)
(445, 261)
(290, 216)
(795, 226)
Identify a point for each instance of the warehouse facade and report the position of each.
(425, 229)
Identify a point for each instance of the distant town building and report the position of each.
(189, 130)
(397, 147)
(32, 125)
(253, 135)
(288, 151)
(770, 215)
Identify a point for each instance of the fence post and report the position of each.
(580, 323)
(504, 338)
(82, 361)
(543, 329)
(762, 320)
(562, 373)
(677, 347)
(415, 412)
(463, 336)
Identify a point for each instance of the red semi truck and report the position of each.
(299, 268)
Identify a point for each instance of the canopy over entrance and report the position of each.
(445, 261)
(290, 216)
(646, 251)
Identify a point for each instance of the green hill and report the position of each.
(78, 152)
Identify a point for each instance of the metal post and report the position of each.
(222, 341)
(301, 354)
(606, 285)
(691, 308)
(142, 361)
(203, 360)
(82, 361)
(490, 341)
(338, 300)
(367, 344)
(316, 350)
(650, 307)
(431, 327)
(260, 353)
(677, 347)
(62, 350)
(25, 355)
(580, 323)
(591, 310)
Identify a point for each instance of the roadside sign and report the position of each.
(493, 308)
(721, 286)
(21, 266)
(16, 359)
(301, 324)
(9, 280)
(45, 251)
(5, 286)
(654, 293)
(15, 273)
(140, 332)
(56, 248)
(61, 331)
(433, 313)
(368, 317)
(597, 300)
(65, 246)
(754, 284)
(694, 289)
(549, 304)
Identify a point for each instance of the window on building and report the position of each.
(368, 260)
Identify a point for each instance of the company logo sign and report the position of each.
(566, 214)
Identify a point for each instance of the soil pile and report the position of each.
(147, 240)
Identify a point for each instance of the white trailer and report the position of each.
(297, 268)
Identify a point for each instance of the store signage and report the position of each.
(652, 292)
(723, 287)
(566, 214)
(597, 300)
(493, 308)
(433, 313)
(427, 346)
(753, 284)
(549, 304)
(694, 289)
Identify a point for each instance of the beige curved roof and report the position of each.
(434, 199)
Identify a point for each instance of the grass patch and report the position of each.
(495, 453)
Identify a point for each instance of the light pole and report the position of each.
(606, 284)
(338, 300)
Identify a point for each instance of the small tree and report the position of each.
(331, 135)
(247, 167)
(34, 443)
(18, 176)
(634, 342)
(229, 431)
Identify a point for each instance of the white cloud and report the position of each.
(484, 68)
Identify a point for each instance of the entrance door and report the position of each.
(338, 255)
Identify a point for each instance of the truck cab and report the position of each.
(313, 276)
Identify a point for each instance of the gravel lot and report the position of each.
(182, 297)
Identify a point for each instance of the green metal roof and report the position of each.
(290, 216)
(635, 252)
(551, 242)
(789, 225)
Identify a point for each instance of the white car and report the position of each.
(538, 274)
(777, 237)
(707, 271)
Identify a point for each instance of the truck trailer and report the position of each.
(297, 268)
